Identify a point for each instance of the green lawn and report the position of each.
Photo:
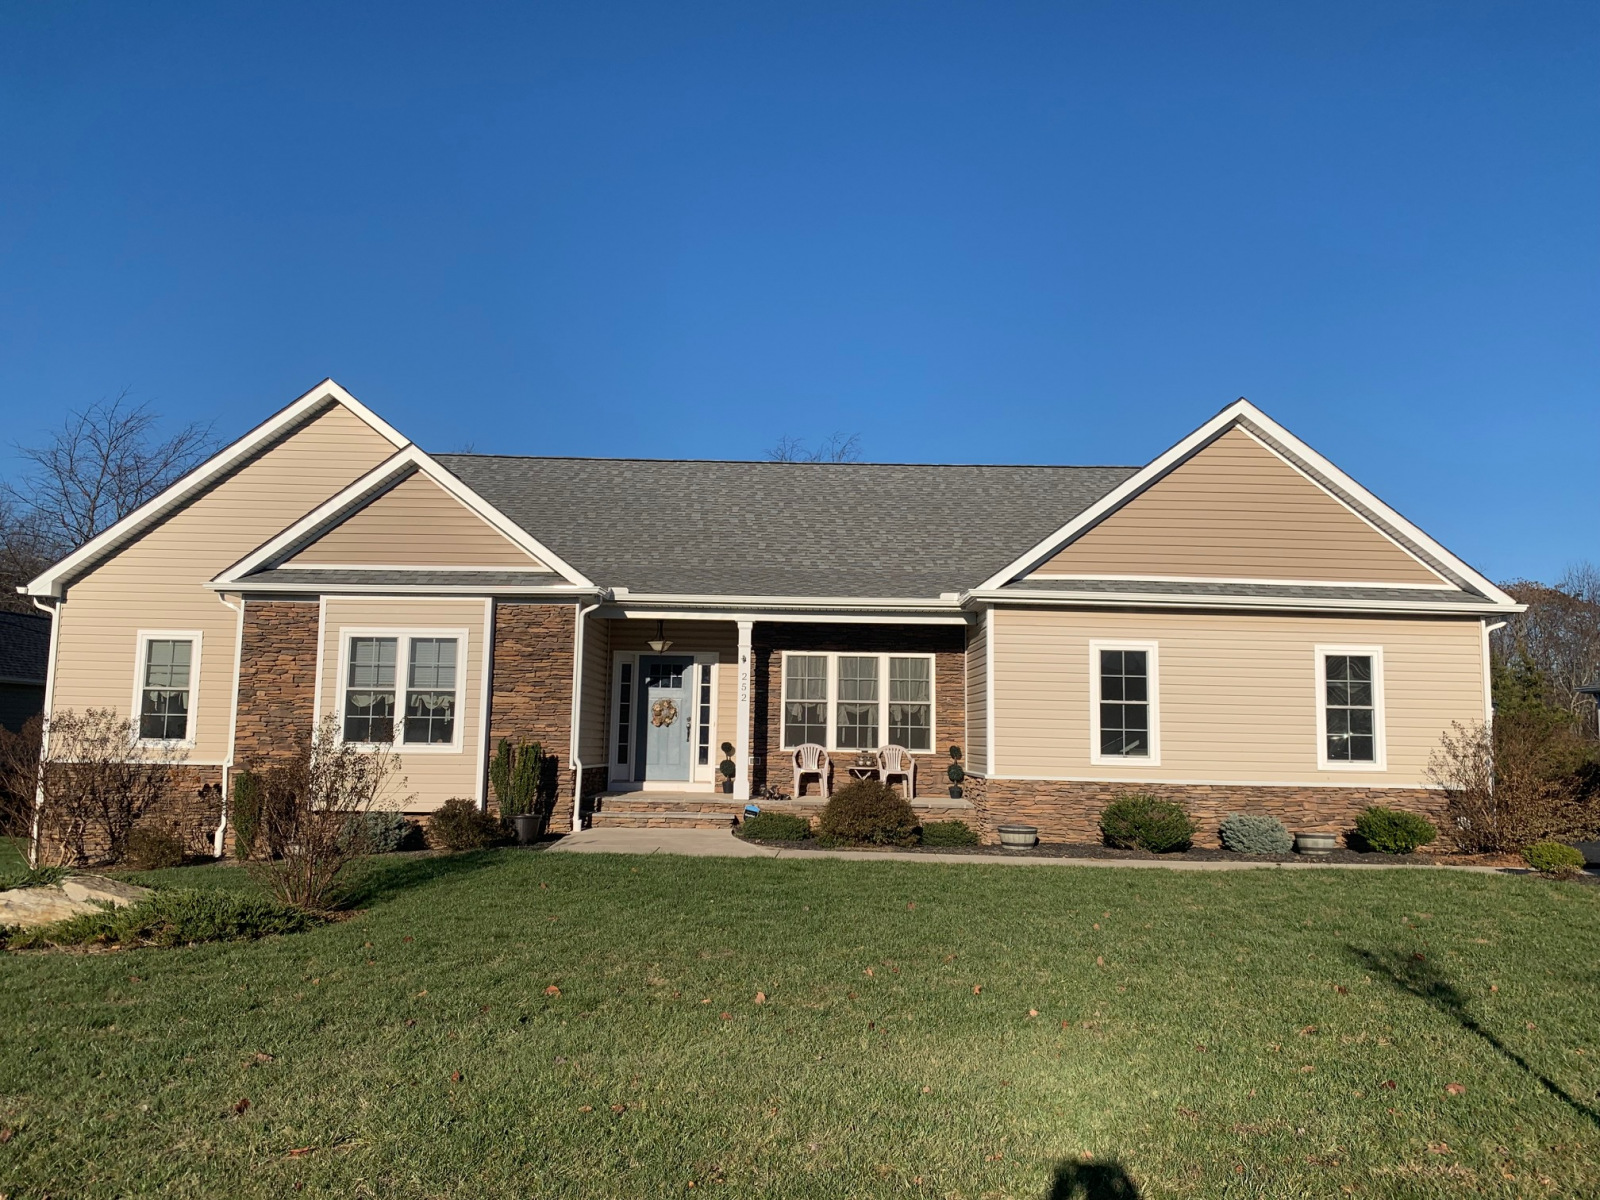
(1223, 1034)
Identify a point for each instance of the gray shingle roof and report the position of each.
(24, 646)
(783, 529)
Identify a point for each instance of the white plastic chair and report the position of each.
(811, 759)
(896, 760)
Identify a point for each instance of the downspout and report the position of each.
(233, 725)
(574, 752)
(44, 733)
(1488, 677)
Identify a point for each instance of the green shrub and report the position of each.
(948, 833)
(869, 812)
(170, 917)
(1142, 822)
(154, 849)
(246, 813)
(380, 831)
(36, 877)
(1392, 831)
(460, 825)
(775, 827)
(1555, 859)
(1251, 833)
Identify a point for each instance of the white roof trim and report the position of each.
(1042, 577)
(1240, 410)
(53, 581)
(1066, 597)
(410, 460)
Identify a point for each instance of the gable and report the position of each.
(416, 523)
(1235, 510)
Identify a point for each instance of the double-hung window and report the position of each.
(1350, 707)
(402, 688)
(166, 685)
(858, 701)
(1124, 703)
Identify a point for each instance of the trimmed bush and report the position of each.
(775, 827)
(246, 813)
(1251, 833)
(460, 825)
(154, 849)
(380, 831)
(1143, 822)
(869, 812)
(171, 917)
(949, 833)
(1555, 859)
(1392, 831)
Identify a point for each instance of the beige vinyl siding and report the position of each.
(431, 776)
(727, 709)
(594, 718)
(977, 747)
(416, 523)
(157, 581)
(1237, 694)
(1237, 511)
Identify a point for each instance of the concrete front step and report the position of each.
(608, 818)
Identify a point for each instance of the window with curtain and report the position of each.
(164, 698)
(369, 690)
(431, 691)
(911, 703)
(805, 699)
(856, 723)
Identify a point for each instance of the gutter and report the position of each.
(1070, 599)
(44, 735)
(574, 752)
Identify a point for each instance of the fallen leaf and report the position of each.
(483, 1008)
(761, 998)
(406, 939)
(707, 1000)
(1494, 987)
(410, 1021)
(241, 1105)
(925, 1090)
(317, 981)
(910, 907)
(1419, 956)
(134, 979)
(727, 1016)
(1456, 1089)
(1387, 1085)
(1307, 1030)
(1307, 1069)
(1439, 1148)
(585, 1108)
(1033, 1012)
(420, 994)
(455, 1076)
(849, 995)
(1341, 989)
(1099, 960)
(552, 990)
(263, 1058)
(301, 1151)
(868, 972)
(619, 1108)
(1097, 924)
(8, 1133)
(1066, 1024)
(977, 988)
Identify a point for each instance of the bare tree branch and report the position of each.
(1559, 636)
(835, 448)
(24, 552)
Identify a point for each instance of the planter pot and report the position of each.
(1316, 843)
(955, 791)
(1018, 837)
(527, 826)
(727, 787)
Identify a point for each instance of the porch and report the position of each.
(702, 810)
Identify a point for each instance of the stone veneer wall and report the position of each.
(530, 695)
(191, 808)
(947, 643)
(1070, 812)
(277, 679)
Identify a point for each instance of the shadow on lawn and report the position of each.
(1075, 1180)
(1416, 976)
(380, 880)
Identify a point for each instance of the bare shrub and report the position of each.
(1521, 780)
(310, 805)
(19, 782)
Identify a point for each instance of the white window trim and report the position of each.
(144, 638)
(403, 637)
(1152, 652)
(833, 657)
(1380, 747)
(704, 660)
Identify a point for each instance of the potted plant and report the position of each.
(727, 768)
(514, 774)
(1018, 837)
(954, 773)
(1315, 844)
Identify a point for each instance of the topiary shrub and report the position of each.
(949, 833)
(460, 825)
(1555, 859)
(154, 849)
(1143, 822)
(246, 813)
(380, 832)
(869, 812)
(1393, 831)
(1251, 833)
(775, 827)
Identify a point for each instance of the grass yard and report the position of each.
(927, 1030)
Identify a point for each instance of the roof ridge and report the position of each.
(762, 462)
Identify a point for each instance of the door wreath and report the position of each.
(663, 713)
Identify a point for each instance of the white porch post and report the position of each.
(741, 741)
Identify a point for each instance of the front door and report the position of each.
(664, 716)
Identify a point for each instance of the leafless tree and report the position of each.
(24, 552)
(19, 783)
(1523, 779)
(311, 812)
(104, 462)
(1558, 637)
(835, 448)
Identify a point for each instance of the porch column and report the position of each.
(741, 740)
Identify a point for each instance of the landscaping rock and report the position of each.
(97, 888)
(29, 907)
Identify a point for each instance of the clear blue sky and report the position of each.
(982, 232)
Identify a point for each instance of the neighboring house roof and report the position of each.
(783, 529)
(24, 647)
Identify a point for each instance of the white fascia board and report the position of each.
(789, 603)
(53, 581)
(1240, 410)
(811, 616)
(385, 475)
(346, 587)
(1134, 599)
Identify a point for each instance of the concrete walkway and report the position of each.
(720, 843)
